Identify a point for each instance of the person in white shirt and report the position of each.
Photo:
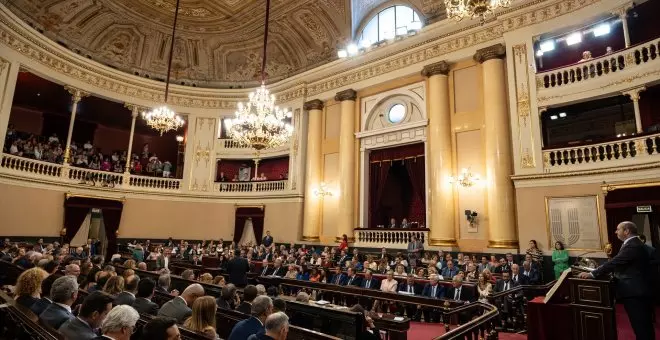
(87, 146)
(13, 149)
(53, 139)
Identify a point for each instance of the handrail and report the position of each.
(546, 286)
(481, 324)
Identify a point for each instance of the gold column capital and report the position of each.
(634, 93)
(348, 94)
(311, 239)
(497, 51)
(76, 93)
(441, 67)
(135, 109)
(315, 104)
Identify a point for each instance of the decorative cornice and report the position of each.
(348, 94)
(76, 94)
(441, 67)
(315, 104)
(497, 51)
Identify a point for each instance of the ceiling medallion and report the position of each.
(460, 9)
(163, 119)
(260, 124)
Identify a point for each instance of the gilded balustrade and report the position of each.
(389, 238)
(268, 186)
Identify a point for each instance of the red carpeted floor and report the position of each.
(426, 331)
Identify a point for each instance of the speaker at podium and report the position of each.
(574, 308)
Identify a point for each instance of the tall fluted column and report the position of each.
(8, 78)
(134, 113)
(622, 12)
(499, 161)
(312, 207)
(346, 218)
(76, 96)
(442, 217)
(634, 95)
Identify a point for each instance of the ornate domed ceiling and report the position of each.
(218, 42)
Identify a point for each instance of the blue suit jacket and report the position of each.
(342, 279)
(76, 329)
(40, 306)
(439, 292)
(243, 329)
(374, 284)
(55, 315)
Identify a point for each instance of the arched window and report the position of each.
(388, 23)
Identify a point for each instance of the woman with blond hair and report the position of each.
(202, 319)
(28, 286)
(219, 280)
(206, 278)
(114, 285)
(129, 264)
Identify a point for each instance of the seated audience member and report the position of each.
(178, 307)
(114, 285)
(95, 307)
(413, 288)
(369, 282)
(352, 278)
(188, 274)
(343, 258)
(389, 284)
(292, 272)
(265, 270)
(400, 271)
(39, 306)
(161, 328)
(503, 267)
(249, 294)
(278, 269)
(127, 297)
(63, 293)
(228, 298)
(471, 272)
(531, 274)
(432, 290)
(145, 292)
(368, 331)
(505, 283)
(457, 292)
(120, 323)
(516, 276)
(484, 288)
(202, 319)
(338, 278)
(262, 307)
(72, 270)
(276, 328)
(261, 289)
(449, 271)
(28, 286)
(163, 285)
(484, 264)
(206, 278)
(314, 275)
(219, 280)
(142, 266)
(303, 273)
(279, 305)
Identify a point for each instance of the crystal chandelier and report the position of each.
(460, 9)
(466, 179)
(260, 124)
(163, 119)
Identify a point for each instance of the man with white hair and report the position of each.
(262, 307)
(72, 270)
(64, 293)
(179, 308)
(277, 328)
(120, 323)
(261, 289)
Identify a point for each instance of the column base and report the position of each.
(350, 239)
(311, 239)
(443, 242)
(509, 244)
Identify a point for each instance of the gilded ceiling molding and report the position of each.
(497, 51)
(76, 94)
(348, 94)
(441, 67)
(315, 104)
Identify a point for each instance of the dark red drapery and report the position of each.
(242, 214)
(378, 173)
(417, 173)
(76, 209)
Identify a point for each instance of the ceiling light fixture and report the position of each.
(562, 115)
(574, 38)
(260, 124)
(601, 29)
(539, 53)
(162, 118)
(553, 117)
(460, 9)
(547, 46)
(352, 49)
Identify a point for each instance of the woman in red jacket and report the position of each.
(344, 242)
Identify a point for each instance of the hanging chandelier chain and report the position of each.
(169, 63)
(263, 61)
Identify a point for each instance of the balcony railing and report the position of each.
(600, 67)
(620, 152)
(228, 148)
(232, 144)
(95, 177)
(388, 238)
(251, 186)
(30, 166)
(157, 183)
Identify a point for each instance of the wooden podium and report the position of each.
(591, 306)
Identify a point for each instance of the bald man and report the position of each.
(179, 308)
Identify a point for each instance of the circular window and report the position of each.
(397, 113)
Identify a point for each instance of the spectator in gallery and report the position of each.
(167, 169)
(559, 259)
(392, 223)
(344, 242)
(222, 177)
(53, 139)
(404, 223)
(28, 286)
(202, 319)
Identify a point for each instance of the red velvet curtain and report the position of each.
(417, 173)
(257, 215)
(378, 173)
(76, 209)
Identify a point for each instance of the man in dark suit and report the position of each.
(265, 270)
(352, 279)
(505, 283)
(278, 269)
(531, 274)
(161, 328)
(432, 290)
(268, 240)
(238, 267)
(262, 307)
(145, 293)
(503, 267)
(412, 288)
(177, 308)
(458, 292)
(63, 293)
(97, 264)
(341, 262)
(518, 277)
(127, 297)
(94, 309)
(249, 294)
(631, 270)
(338, 278)
(368, 282)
